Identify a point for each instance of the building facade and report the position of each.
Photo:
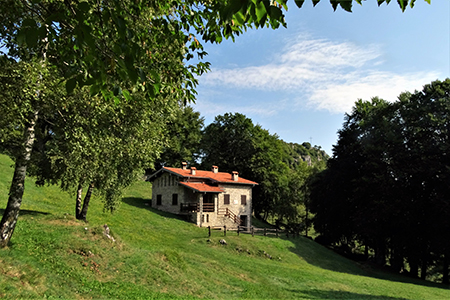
(207, 198)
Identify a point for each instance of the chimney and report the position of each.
(215, 169)
(193, 170)
(184, 165)
(235, 176)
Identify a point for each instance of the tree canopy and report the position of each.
(134, 41)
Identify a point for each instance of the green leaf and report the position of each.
(126, 94)
(84, 6)
(237, 5)
(29, 23)
(346, 5)
(42, 32)
(403, 4)
(275, 13)
(334, 4)
(22, 37)
(32, 37)
(70, 85)
(239, 19)
(260, 10)
(95, 88)
(299, 3)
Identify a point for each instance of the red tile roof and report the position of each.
(220, 177)
(202, 187)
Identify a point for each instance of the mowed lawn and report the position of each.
(160, 256)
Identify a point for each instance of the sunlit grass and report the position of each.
(157, 255)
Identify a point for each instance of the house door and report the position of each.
(243, 221)
(208, 202)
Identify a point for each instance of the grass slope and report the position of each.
(159, 256)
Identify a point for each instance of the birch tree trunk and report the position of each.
(9, 220)
(78, 201)
(87, 198)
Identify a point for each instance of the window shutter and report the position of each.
(174, 199)
(158, 199)
(226, 199)
(243, 200)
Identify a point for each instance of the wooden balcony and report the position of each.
(195, 207)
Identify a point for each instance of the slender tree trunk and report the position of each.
(87, 198)
(380, 253)
(424, 267)
(445, 270)
(306, 219)
(78, 202)
(397, 259)
(9, 220)
(413, 268)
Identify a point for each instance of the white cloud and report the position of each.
(340, 97)
(328, 75)
(209, 108)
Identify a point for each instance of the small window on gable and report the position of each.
(226, 199)
(174, 199)
(158, 199)
(243, 199)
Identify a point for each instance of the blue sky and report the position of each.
(299, 82)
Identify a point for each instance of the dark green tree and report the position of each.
(385, 186)
(184, 133)
(234, 143)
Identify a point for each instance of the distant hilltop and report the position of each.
(312, 155)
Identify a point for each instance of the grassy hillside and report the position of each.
(158, 255)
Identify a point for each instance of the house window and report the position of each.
(243, 199)
(207, 218)
(226, 199)
(158, 199)
(174, 199)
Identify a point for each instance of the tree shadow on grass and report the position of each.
(146, 204)
(25, 212)
(324, 258)
(322, 294)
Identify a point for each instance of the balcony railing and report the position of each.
(195, 207)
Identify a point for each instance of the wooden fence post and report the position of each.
(265, 231)
(238, 230)
(276, 231)
(209, 231)
(224, 230)
(253, 231)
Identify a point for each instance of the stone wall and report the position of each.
(166, 186)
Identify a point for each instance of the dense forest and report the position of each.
(385, 190)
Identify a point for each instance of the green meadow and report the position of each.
(157, 255)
